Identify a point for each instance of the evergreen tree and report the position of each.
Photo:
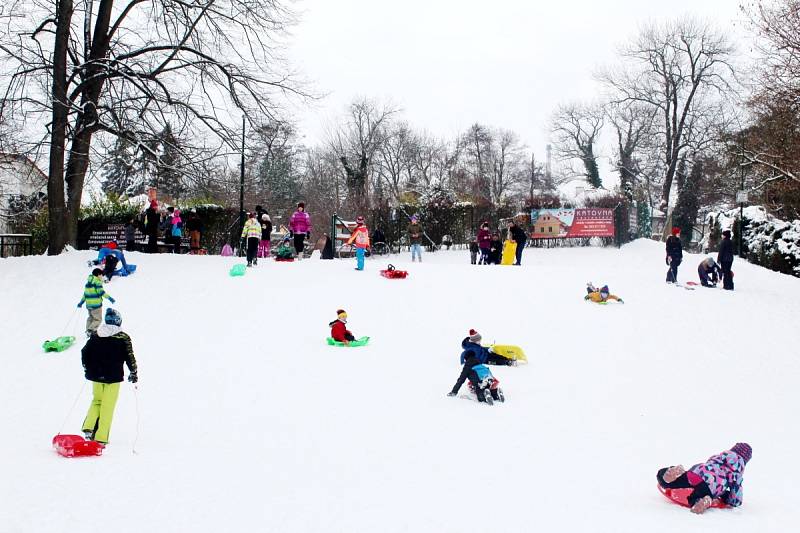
(119, 175)
(685, 214)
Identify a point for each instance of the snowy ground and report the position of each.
(247, 421)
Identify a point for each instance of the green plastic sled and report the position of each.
(58, 345)
(238, 270)
(358, 342)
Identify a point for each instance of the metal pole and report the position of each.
(741, 205)
(241, 189)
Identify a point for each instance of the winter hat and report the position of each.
(474, 336)
(341, 314)
(414, 218)
(97, 272)
(727, 233)
(743, 450)
(265, 217)
(301, 204)
(193, 210)
(676, 230)
(113, 317)
(604, 290)
(359, 219)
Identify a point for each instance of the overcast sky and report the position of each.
(450, 63)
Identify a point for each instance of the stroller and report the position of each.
(488, 386)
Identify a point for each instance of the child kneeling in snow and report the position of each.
(718, 478)
(600, 295)
(481, 381)
(339, 331)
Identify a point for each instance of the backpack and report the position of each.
(176, 231)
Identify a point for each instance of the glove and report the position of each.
(80, 304)
(112, 300)
(451, 393)
(133, 377)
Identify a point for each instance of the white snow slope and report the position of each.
(247, 421)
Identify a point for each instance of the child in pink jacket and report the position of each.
(718, 478)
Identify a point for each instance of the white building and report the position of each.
(18, 176)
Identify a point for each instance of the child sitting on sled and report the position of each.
(339, 331)
(719, 478)
(285, 249)
(601, 295)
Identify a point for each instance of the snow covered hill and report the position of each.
(244, 420)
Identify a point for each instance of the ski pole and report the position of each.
(74, 403)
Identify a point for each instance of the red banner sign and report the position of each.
(592, 223)
(568, 223)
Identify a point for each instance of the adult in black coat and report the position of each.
(152, 220)
(518, 235)
(674, 255)
(725, 260)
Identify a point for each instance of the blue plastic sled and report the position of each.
(123, 272)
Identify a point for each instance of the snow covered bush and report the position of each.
(767, 241)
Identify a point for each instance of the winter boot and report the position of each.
(487, 395)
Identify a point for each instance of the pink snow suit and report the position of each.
(300, 222)
(723, 475)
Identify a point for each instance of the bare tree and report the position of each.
(632, 123)
(97, 68)
(356, 144)
(576, 129)
(674, 68)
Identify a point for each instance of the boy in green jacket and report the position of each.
(93, 294)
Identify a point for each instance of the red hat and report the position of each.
(474, 336)
(676, 230)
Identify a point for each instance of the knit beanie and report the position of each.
(676, 230)
(341, 314)
(113, 317)
(605, 290)
(474, 336)
(743, 450)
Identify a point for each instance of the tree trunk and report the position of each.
(56, 229)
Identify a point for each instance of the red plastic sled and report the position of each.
(681, 497)
(284, 259)
(76, 446)
(393, 273)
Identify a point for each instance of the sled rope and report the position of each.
(74, 403)
(136, 401)
(69, 322)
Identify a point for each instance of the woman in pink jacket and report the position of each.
(300, 227)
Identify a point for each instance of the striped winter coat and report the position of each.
(723, 475)
(251, 229)
(93, 293)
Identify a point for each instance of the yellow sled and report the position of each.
(509, 253)
(508, 351)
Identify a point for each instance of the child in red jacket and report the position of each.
(339, 331)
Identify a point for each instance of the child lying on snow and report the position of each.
(718, 478)
(600, 295)
(339, 331)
